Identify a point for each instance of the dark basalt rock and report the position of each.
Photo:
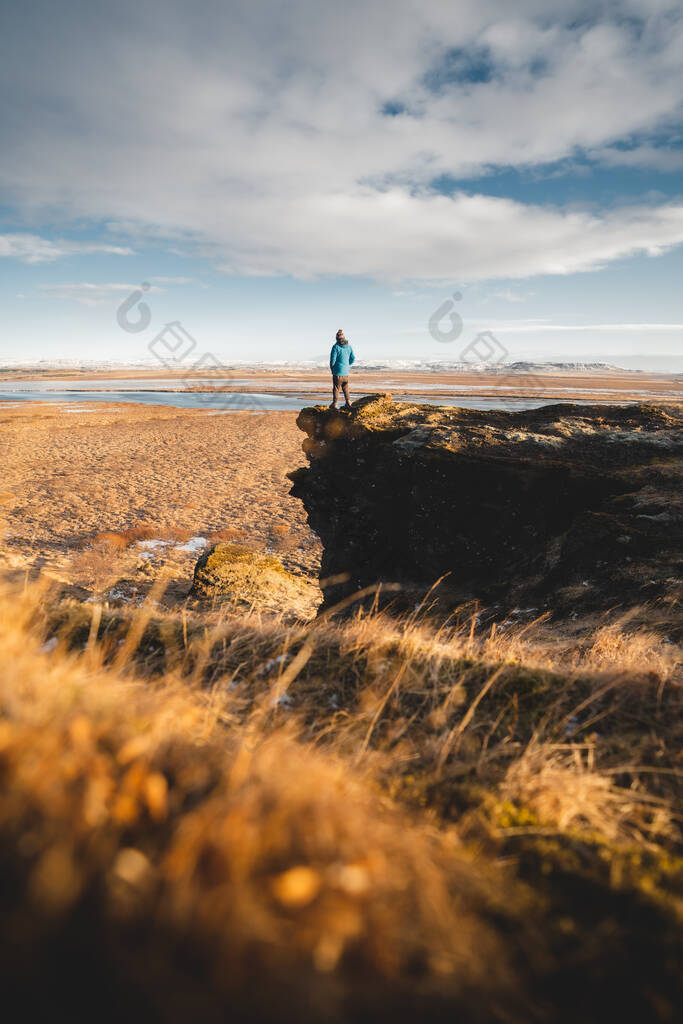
(572, 507)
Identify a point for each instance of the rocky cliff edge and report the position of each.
(566, 507)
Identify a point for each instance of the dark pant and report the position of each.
(337, 383)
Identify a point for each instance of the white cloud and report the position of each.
(29, 248)
(90, 294)
(173, 280)
(535, 327)
(509, 295)
(396, 234)
(255, 134)
(644, 157)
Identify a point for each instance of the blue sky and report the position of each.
(276, 172)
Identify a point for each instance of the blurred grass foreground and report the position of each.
(334, 821)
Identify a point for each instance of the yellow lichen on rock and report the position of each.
(239, 574)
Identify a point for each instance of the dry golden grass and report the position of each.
(259, 850)
(119, 540)
(99, 566)
(101, 559)
(612, 648)
(560, 785)
(281, 538)
(228, 534)
(370, 817)
(440, 705)
(110, 540)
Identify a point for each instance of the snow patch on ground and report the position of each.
(281, 659)
(195, 545)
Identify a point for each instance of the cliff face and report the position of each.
(568, 506)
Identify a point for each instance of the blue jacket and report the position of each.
(341, 357)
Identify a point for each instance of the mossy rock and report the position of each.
(249, 578)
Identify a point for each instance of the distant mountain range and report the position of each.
(385, 366)
(425, 366)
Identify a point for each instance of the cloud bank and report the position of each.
(88, 293)
(29, 248)
(313, 139)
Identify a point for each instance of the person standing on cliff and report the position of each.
(341, 358)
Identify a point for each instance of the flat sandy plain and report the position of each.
(184, 474)
(185, 477)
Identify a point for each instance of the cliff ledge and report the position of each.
(569, 507)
